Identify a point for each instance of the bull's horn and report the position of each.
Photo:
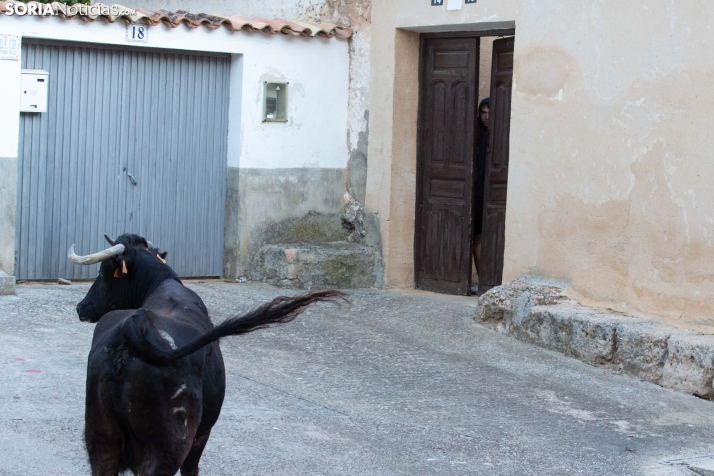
(149, 245)
(96, 257)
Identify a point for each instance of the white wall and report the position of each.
(354, 13)
(9, 106)
(316, 68)
(316, 131)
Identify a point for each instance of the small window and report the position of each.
(276, 102)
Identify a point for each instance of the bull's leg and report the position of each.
(190, 464)
(103, 439)
(104, 458)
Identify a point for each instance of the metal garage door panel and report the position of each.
(133, 142)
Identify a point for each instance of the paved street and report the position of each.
(394, 384)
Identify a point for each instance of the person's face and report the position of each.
(484, 115)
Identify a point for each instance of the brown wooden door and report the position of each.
(496, 181)
(447, 114)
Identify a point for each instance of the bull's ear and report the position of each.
(164, 255)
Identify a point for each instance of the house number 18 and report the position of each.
(138, 33)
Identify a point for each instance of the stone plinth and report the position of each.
(313, 266)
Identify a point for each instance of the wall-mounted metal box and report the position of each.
(275, 107)
(33, 96)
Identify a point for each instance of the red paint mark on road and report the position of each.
(32, 371)
(20, 359)
(65, 352)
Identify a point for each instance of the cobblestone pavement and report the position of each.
(394, 384)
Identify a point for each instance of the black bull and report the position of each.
(155, 375)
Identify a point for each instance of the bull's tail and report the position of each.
(138, 331)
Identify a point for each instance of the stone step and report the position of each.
(673, 358)
(314, 266)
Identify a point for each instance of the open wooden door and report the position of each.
(496, 181)
(447, 115)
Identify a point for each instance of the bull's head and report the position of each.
(130, 267)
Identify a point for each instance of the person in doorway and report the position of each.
(479, 175)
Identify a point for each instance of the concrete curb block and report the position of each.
(670, 357)
(7, 284)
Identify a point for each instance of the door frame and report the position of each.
(504, 32)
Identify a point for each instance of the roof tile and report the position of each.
(308, 27)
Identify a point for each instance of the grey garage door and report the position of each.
(133, 141)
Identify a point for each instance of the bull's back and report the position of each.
(160, 405)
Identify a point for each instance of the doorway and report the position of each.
(446, 210)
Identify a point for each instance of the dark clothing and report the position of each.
(478, 216)
(480, 175)
(480, 169)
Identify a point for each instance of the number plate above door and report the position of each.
(138, 33)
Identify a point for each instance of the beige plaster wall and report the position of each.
(610, 182)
